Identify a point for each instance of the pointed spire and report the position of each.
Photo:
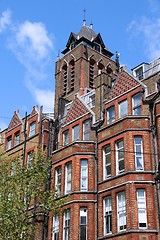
(84, 19)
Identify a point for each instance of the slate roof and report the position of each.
(123, 83)
(87, 32)
(76, 110)
(87, 35)
(16, 120)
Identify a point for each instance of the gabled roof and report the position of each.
(34, 111)
(15, 121)
(71, 38)
(77, 109)
(124, 82)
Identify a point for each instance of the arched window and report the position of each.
(72, 75)
(91, 73)
(65, 77)
(100, 67)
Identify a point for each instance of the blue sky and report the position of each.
(33, 32)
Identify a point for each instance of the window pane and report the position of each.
(83, 223)
(17, 139)
(9, 143)
(86, 130)
(107, 215)
(107, 161)
(123, 108)
(137, 104)
(111, 114)
(55, 227)
(121, 211)
(58, 179)
(84, 174)
(138, 153)
(32, 129)
(75, 133)
(138, 111)
(67, 224)
(141, 201)
(120, 156)
(68, 177)
(65, 137)
(121, 165)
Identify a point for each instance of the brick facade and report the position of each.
(112, 86)
(104, 142)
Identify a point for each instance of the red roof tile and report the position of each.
(15, 121)
(123, 83)
(76, 110)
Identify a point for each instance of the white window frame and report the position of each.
(30, 158)
(106, 163)
(138, 148)
(68, 177)
(83, 223)
(66, 225)
(65, 137)
(123, 108)
(107, 203)
(139, 72)
(58, 179)
(136, 104)
(9, 142)
(121, 211)
(120, 156)
(17, 138)
(32, 129)
(84, 175)
(92, 101)
(55, 229)
(86, 130)
(111, 114)
(142, 212)
(75, 133)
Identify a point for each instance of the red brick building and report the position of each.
(24, 137)
(107, 145)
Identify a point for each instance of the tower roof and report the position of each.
(87, 32)
(87, 35)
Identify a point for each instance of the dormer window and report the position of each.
(97, 47)
(139, 73)
(72, 45)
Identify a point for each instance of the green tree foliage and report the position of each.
(25, 197)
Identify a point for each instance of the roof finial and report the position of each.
(84, 20)
(91, 25)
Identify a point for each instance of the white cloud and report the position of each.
(33, 47)
(5, 20)
(154, 6)
(33, 38)
(45, 98)
(147, 30)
